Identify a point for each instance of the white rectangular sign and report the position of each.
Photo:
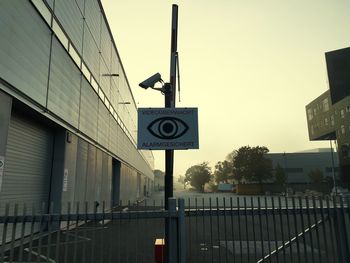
(167, 128)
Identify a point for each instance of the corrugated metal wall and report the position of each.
(28, 163)
(55, 81)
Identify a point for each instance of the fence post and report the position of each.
(181, 231)
(340, 232)
(171, 233)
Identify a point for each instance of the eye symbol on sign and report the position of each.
(167, 128)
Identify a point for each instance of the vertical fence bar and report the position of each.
(267, 227)
(303, 227)
(204, 244)
(66, 246)
(232, 233)
(4, 232)
(310, 231)
(137, 231)
(225, 230)
(282, 229)
(196, 230)
(119, 230)
(239, 229)
(41, 226)
(30, 248)
(103, 232)
(190, 230)
(330, 225)
(49, 231)
(288, 227)
(23, 231)
(211, 230)
(182, 231)
(324, 228)
(341, 233)
(218, 226)
(253, 226)
(127, 247)
(171, 241)
(296, 230)
(261, 230)
(316, 228)
(246, 226)
(86, 208)
(76, 232)
(13, 236)
(274, 227)
(58, 237)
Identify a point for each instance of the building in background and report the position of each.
(298, 165)
(67, 114)
(328, 116)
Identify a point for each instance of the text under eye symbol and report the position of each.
(167, 128)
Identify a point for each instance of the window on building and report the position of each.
(293, 170)
(332, 120)
(326, 121)
(309, 114)
(312, 129)
(325, 104)
(330, 169)
(347, 108)
(342, 113)
(342, 129)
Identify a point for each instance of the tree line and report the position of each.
(245, 165)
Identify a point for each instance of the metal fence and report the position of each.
(234, 229)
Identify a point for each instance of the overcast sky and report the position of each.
(250, 66)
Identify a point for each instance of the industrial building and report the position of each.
(298, 165)
(67, 114)
(328, 116)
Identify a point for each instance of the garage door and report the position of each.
(28, 162)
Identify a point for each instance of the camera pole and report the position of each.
(169, 94)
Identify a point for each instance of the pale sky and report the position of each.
(250, 66)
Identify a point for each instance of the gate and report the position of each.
(234, 229)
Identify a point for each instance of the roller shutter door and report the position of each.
(28, 163)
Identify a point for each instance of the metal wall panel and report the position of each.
(70, 17)
(81, 171)
(106, 45)
(93, 17)
(70, 165)
(24, 48)
(128, 184)
(64, 85)
(88, 110)
(28, 163)
(113, 135)
(91, 54)
(105, 81)
(106, 180)
(98, 175)
(103, 125)
(114, 93)
(90, 176)
(80, 4)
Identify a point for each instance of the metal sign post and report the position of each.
(170, 90)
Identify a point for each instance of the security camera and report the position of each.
(151, 81)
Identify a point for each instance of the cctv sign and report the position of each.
(167, 128)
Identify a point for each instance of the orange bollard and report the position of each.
(159, 250)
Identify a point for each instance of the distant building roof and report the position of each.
(316, 150)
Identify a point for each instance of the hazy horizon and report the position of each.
(249, 67)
